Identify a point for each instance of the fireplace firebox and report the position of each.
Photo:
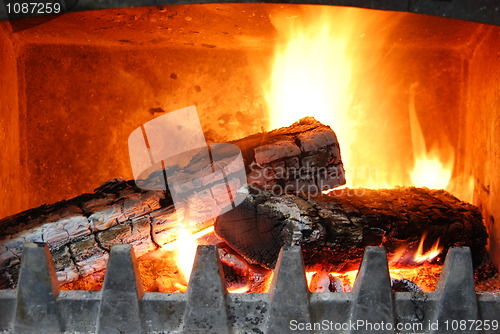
(75, 86)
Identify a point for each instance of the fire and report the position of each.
(425, 276)
(330, 65)
(309, 276)
(310, 72)
(185, 249)
(321, 68)
(311, 75)
(416, 267)
(405, 256)
(431, 170)
(348, 278)
(185, 253)
(432, 253)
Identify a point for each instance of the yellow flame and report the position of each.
(311, 74)
(309, 276)
(185, 249)
(431, 170)
(320, 70)
(421, 257)
(185, 253)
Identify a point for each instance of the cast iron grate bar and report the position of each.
(37, 305)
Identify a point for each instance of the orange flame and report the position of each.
(322, 69)
(432, 253)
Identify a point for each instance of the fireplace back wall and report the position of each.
(12, 191)
(77, 86)
(87, 80)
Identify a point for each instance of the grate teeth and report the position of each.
(289, 295)
(455, 294)
(206, 309)
(372, 294)
(122, 290)
(38, 307)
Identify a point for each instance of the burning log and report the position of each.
(304, 158)
(81, 231)
(334, 229)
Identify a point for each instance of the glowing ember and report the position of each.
(421, 257)
(417, 269)
(425, 276)
(347, 278)
(242, 289)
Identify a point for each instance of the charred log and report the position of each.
(304, 157)
(334, 229)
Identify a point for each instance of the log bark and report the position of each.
(334, 229)
(81, 231)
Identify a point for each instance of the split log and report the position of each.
(333, 230)
(81, 231)
(304, 157)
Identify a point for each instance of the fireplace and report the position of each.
(77, 86)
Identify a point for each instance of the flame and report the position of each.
(309, 276)
(319, 70)
(185, 249)
(324, 68)
(404, 256)
(311, 73)
(185, 253)
(435, 250)
(431, 170)
(420, 271)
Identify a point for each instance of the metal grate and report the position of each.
(37, 305)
